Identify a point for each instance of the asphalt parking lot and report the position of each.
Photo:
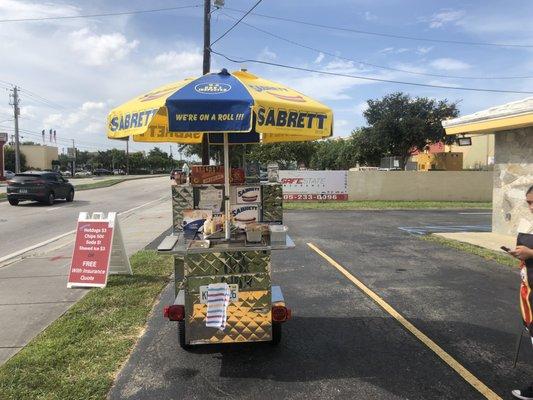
(340, 343)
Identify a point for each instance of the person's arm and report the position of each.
(522, 252)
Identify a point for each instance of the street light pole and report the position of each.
(206, 68)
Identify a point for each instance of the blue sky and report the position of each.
(88, 66)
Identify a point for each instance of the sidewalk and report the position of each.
(33, 291)
(488, 240)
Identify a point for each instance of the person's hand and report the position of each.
(522, 252)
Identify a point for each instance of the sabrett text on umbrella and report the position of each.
(290, 119)
(131, 120)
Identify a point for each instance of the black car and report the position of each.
(101, 172)
(40, 186)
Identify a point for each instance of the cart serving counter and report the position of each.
(224, 290)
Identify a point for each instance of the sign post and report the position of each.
(98, 251)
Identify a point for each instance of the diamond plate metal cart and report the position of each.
(257, 309)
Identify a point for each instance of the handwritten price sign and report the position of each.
(92, 252)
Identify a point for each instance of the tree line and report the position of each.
(155, 161)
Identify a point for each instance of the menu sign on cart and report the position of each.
(98, 251)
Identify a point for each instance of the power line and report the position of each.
(390, 35)
(34, 96)
(42, 99)
(110, 14)
(236, 23)
(326, 52)
(368, 78)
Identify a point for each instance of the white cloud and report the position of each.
(187, 62)
(97, 50)
(442, 83)
(443, 17)
(410, 67)
(369, 16)
(319, 58)
(424, 49)
(89, 106)
(90, 117)
(11, 9)
(386, 50)
(267, 54)
(393, 50)
(329, 87)
(449, 64)
(339, 123)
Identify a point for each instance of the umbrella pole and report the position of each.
(226, 187)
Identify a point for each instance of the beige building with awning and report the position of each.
(512, 126)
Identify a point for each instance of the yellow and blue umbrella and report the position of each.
(230, 108)
(250, 108)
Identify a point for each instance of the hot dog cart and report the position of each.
(225, 225)
(257, 307)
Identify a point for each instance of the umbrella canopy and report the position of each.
(230, 108)
(252, 109)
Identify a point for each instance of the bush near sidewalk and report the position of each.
(79, 355)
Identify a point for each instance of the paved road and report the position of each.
(31, 223)
(83, 181)
(340, 344)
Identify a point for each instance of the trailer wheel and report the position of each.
(276, 334)
(181, 335)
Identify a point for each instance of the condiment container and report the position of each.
(278, 234)
(254, 233)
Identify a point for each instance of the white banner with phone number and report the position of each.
(314, 185)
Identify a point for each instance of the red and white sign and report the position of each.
(314, 185)
(98, 251)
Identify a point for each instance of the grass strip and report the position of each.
(499, 257)
(98, 185)
(384, 205)
(79, 355)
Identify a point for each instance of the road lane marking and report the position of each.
(447, 358)
(48, 241)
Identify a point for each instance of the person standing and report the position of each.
(524, 252)
(186, 170)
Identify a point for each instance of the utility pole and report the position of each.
(16, 113)
(206, 68)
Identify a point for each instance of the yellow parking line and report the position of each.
(448, 359)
